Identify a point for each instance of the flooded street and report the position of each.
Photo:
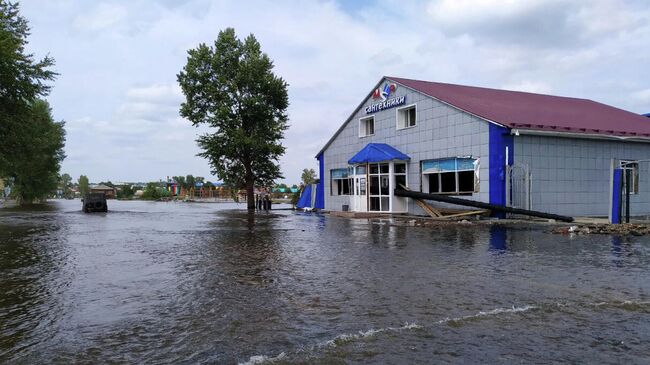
(207, 283)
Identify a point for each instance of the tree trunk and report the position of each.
(250, 192)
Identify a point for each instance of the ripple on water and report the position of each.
(205, 283)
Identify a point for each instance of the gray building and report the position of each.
(542, 152)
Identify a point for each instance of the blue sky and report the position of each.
(118, 62)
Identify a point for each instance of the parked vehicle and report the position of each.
(94, 202)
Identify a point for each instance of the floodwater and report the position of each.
(208, 283)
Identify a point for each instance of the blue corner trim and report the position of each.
(499, 138)
(616, 196)
(320, 189)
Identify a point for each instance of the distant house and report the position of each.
(107, 190)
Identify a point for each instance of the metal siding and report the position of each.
(571, 176)
(516, 109)
(440, 132)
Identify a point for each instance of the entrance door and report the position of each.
(360, 194)
(379, 187)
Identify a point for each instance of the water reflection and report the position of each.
(205, 283)
(33, 270)
(498, 237)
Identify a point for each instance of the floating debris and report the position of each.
(616, 229)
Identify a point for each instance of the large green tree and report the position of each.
(231, 87)
(308, 176)
(84, 187)
(22, 81)
(31, 142)
(65, 181)
(35, 166)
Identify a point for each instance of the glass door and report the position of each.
(379, 187)
(360, 195)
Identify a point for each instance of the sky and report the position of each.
(118, 60)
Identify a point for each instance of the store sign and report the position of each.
(386, 102)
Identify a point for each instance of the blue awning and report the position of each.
(377, 152)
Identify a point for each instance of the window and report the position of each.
(366, 126)
(406, 117)
(400, 176)
(633, 167)
(341, 182)
(379, 187)
(457, 175)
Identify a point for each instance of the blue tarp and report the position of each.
(305, 198)
(377, 152)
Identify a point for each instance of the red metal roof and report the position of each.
(516, 109)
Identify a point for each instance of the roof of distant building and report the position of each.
(101, 187)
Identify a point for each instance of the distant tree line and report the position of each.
(31, 142)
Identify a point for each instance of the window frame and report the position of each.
(350, 179)
(405, 174)
(438, 175)
(362, 121)
(402, 109)
(381, 177)
(635, 173)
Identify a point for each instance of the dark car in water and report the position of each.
(94, 202)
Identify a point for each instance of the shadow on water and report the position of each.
(34, 271)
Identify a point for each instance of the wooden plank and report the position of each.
(474, 212)
(427, 209)
(422, 204)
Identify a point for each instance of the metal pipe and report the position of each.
(477, 204)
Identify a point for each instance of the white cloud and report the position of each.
(101, 17)
(642, 99)
(118, 63)
(529, 86)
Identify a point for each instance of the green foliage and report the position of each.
(22, 81)
(190, 181)
(125, 192)
(230, 87)
(65, 182)
(84, 187)
(154, 191)
(308, 176)
(35, 164)
(295, 197)
(31, 143)
(180, 180)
